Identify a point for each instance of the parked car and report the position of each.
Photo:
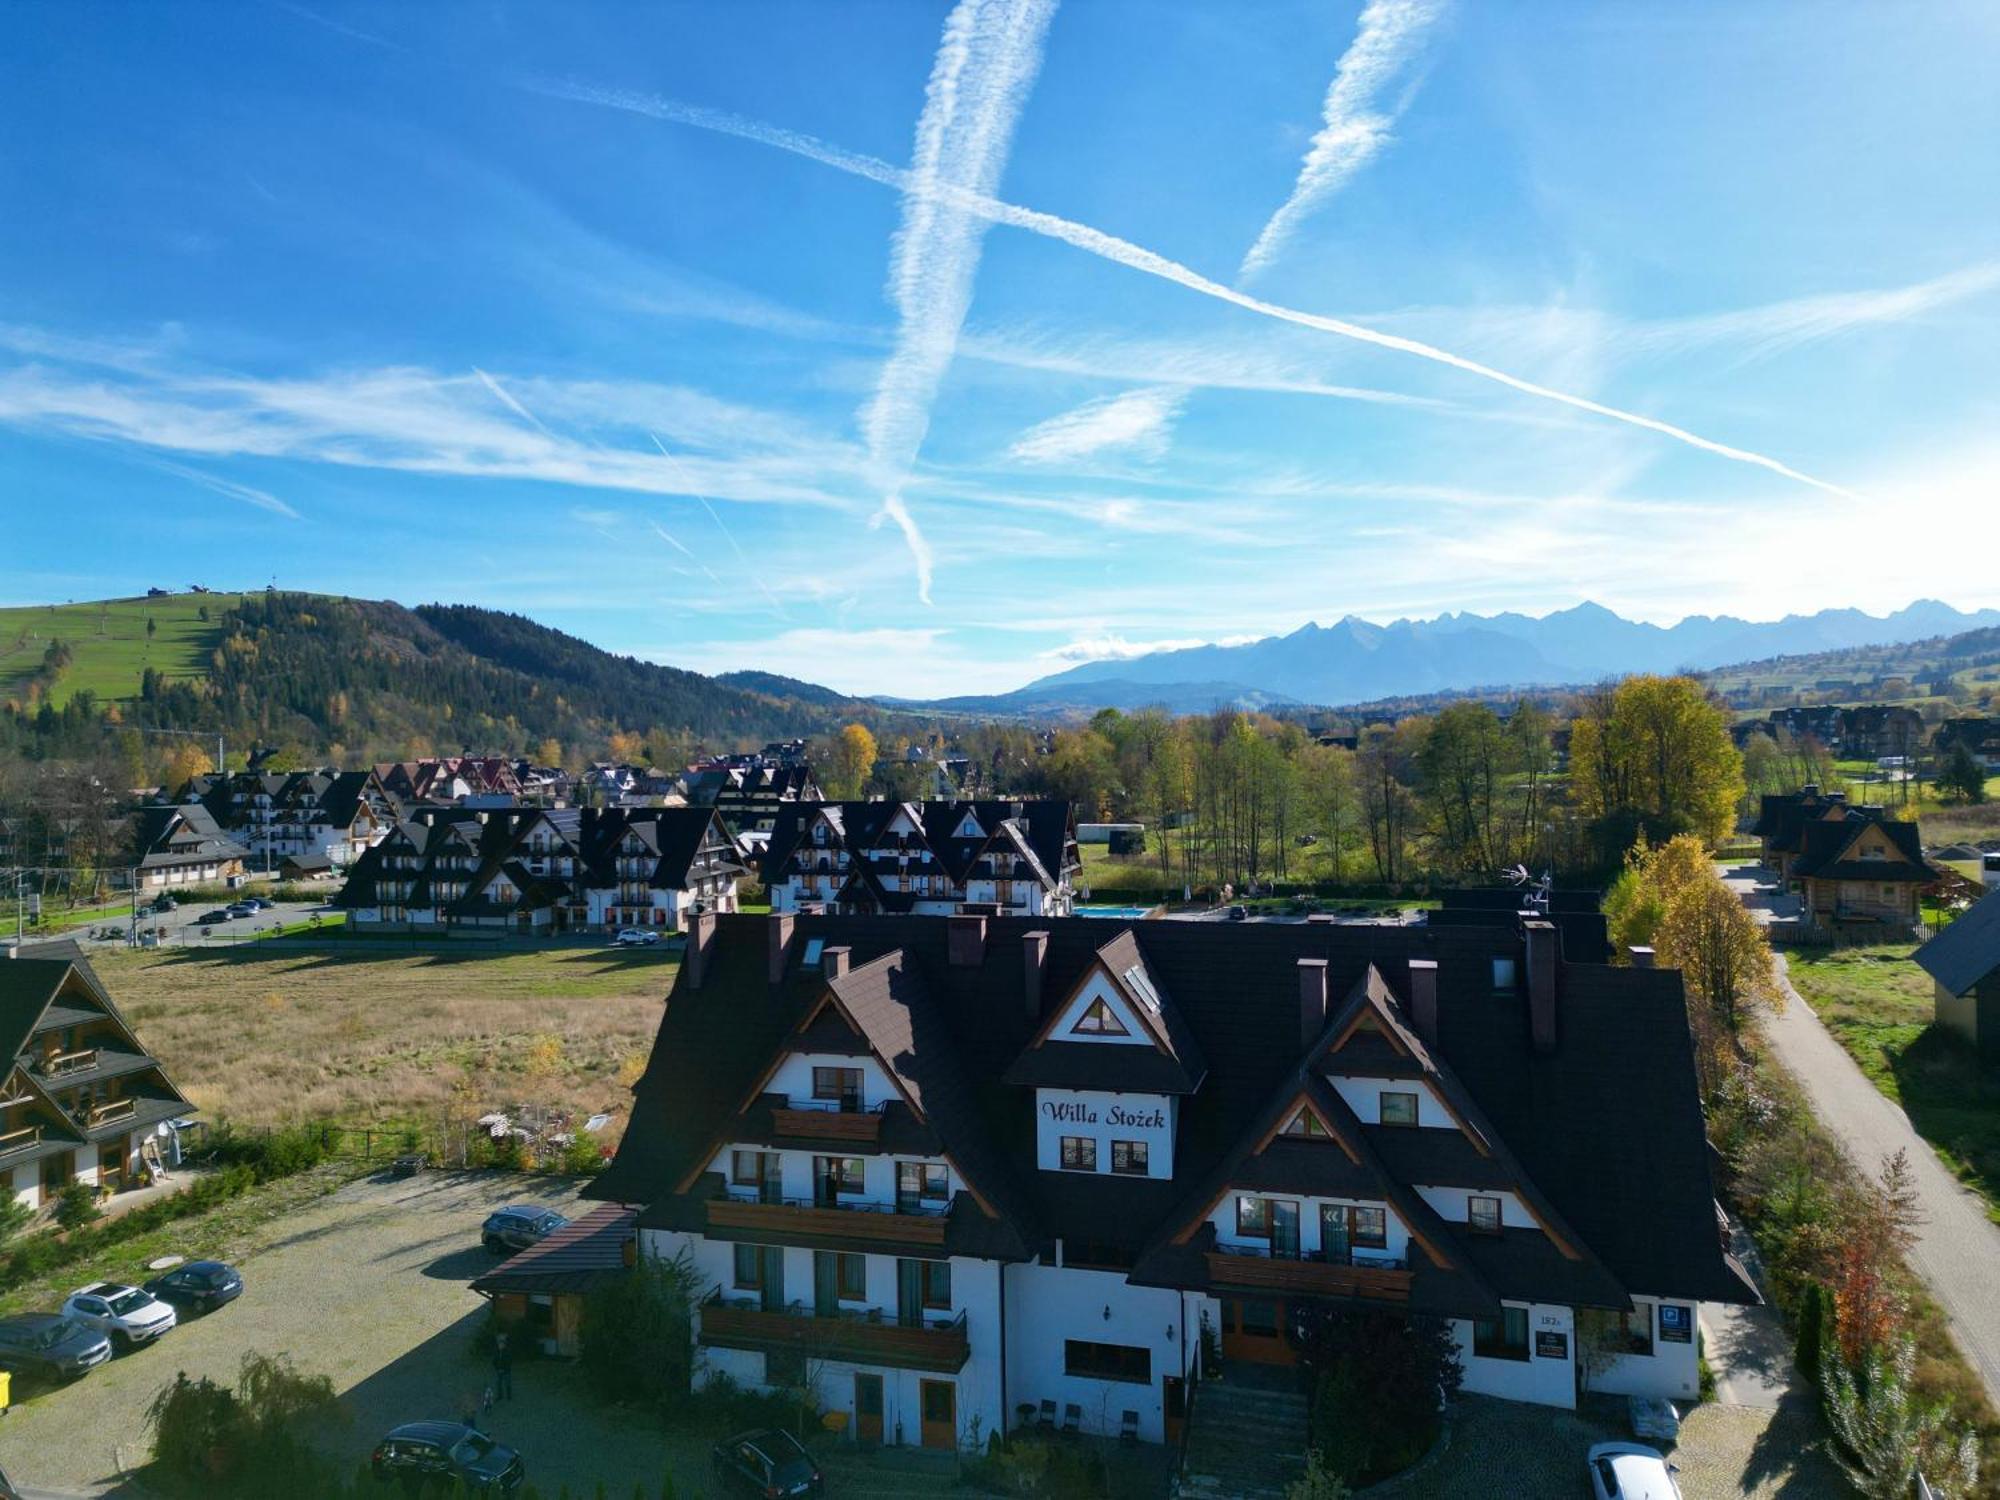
(1630, 1471)
(519, 1226)
(636, 937)
(256, 903)
(241, 909)
(434, 1455)
(766, 1462)
(50, 1346)
(1238, 914)
(200, 1286)
(209, 918)
(127, 1314)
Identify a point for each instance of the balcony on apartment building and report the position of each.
(1330, 1273)
(866, 1336)
(22, 1138)
(829, 1120)
(905, 1222)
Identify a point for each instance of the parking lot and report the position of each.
(368, 1286)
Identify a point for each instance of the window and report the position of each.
(1306, 1123)
(1398, 1109)
(1504, 1339)
(1079, 1153)
(1126, 1362)
(935, 1278)
(1099, 1021)
(920, 1181)
(843, 1084)
(1128, 1158)
(1253, 1218)
(746, 1168)
(852, 1277)
(841, 1174)
(749, 1266)
(1482, 1215)
(1368, 1228)
(1503, 973)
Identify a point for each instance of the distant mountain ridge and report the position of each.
(1354, 660)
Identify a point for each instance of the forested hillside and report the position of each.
(355, 680)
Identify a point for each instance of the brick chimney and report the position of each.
(1642, 958)
(1543, 961)
(1312, 1000)
(965, 941)
(833, 961)
(778, 935)
(700, 947)
(1424, 998)
(1034, 965)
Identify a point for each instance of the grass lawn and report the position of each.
(108, 641)
(1878, 1005)
(267, 1035)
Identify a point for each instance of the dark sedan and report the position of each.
(48, 1346)
(766, 1463)
(518, 1226)
(427, 1455)
(200, 1286)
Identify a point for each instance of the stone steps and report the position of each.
(1246, 1440)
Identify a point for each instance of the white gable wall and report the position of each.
(1095, 988)
(1104, 1118)
(1363, 1096)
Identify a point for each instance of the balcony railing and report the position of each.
(869, 1336)
(61, 1064)
(1321, 1274)
(117, 1109)
(20, 1140)
(828, 1120)
(745, 1208)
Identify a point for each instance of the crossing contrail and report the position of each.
(1135, 257)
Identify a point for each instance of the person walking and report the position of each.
(503, 1369)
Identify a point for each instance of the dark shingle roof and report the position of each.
(582, 1254)
(1967, 951)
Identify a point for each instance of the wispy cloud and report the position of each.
(500, 394)
(1135, 421)
(339, 28)
(1135, 257)
(979, 81)
(1356, 126)
(262, 499)
(729, 536)
(1118, 648)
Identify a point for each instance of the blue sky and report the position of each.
(924, 349)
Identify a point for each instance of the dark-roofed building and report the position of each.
(1781, 820)
(1979, 735)
(182, 846)
(1002, 858)
(539, 1293)
(1964, 964)
(84, 1101)
(951, 1168)
(337, 814)
(1861, 874)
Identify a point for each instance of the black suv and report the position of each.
(518, 1226)
(427, 1455)
(766, 1463)
(48, 1346)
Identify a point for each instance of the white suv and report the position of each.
(128, 1315)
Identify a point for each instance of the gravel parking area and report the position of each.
(368, 1286)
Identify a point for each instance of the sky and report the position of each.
(927, 349)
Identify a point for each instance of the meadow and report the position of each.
(269, 1036)
(109, 644)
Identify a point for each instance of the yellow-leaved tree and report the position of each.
(1653, 756)
(850, 759)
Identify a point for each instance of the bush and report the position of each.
(76, 1206)
(1379, 1379)
(246, 1441)
(14, 1216)
(582, 1157)
(270, 1154)
(1886, 1435)
(633, 1333)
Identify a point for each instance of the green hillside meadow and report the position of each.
(109, 642)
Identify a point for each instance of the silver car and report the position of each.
(127, 1314)
(1631, 1471)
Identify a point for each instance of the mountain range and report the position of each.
(1354, 660)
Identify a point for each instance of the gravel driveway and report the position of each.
(368, 1286)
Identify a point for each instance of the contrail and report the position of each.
(672, 541)
(1354, 130)
(727, 535)
(500, 394)
(986, 62)
(1125, 253)
(262, 499)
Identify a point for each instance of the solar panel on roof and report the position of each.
(814, 946)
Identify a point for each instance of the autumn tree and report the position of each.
(1654, 756)
(1465, 760)
(849, 760)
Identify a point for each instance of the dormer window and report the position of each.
(1398, 1109)
(1305, 1124)
(1098, 1020)
(1482, 1215)
(1503, 974)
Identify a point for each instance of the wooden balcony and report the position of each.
(1298, 1276)
(873, 1337)
(20, 1140)
(117, 1109)
(61, 1064)
(828, 1124)
(786, 1217)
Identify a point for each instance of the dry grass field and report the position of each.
(373, 1038)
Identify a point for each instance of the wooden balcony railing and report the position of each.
(852, 1221)
(20, 1140)
(58, 1064)
(1251, 1270)
(870, 1337)
(827, 1121)
(117, 1109)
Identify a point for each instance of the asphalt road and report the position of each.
(1958, 1247)
(183, 926)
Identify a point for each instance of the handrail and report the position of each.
(15, 1140)
(1352, 1258)
(113, 1110)
(737, 1194)
(834, 1106)
(868, 1317)
(56, 1064)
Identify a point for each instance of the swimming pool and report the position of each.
(1122, 913)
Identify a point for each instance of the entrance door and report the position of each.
(773, 1278)
(1284, 1229)
(56, 1173)
(826, 1284)
(909, 1294)
(1333, 1234)
(1253, 1330)
(868, 1409)
(1173, 1401)
(940, 1413)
